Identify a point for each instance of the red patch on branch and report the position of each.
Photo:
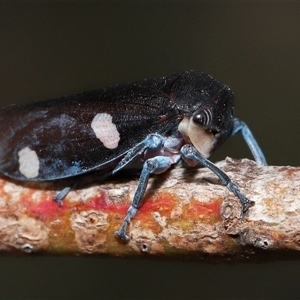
(47, 208)
(197, 210)
(99, 203)
(164, 203)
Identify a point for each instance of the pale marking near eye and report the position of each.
(105, 130)
(29, 163)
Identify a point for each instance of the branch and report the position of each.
(186, 213)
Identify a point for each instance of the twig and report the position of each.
(187, 213)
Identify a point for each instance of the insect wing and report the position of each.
(75, 134)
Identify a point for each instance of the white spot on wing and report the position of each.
(105, 130)
(29, 163)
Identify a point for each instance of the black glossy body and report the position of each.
(59, 130)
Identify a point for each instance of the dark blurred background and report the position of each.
(53, 49)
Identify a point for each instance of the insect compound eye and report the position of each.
(203, 118)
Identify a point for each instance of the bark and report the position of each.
(187, 214)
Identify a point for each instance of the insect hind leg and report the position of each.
(80, 181)
(58, 198)
(153, 142)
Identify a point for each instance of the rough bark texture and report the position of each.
(187, 213)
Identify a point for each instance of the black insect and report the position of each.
(186, 115)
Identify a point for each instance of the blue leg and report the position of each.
(156, 165)
(191, 155)
(152, 142)
(58, 198)
(81, 180)
(257, 153)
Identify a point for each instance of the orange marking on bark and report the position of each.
(48, 208)
(208, 211)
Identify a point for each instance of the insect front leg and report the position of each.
(156, 165)
(191, 156)
(153, 142)
(240, 126)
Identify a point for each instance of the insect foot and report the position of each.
(58, 198)
(121, 233)
(246, 203)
